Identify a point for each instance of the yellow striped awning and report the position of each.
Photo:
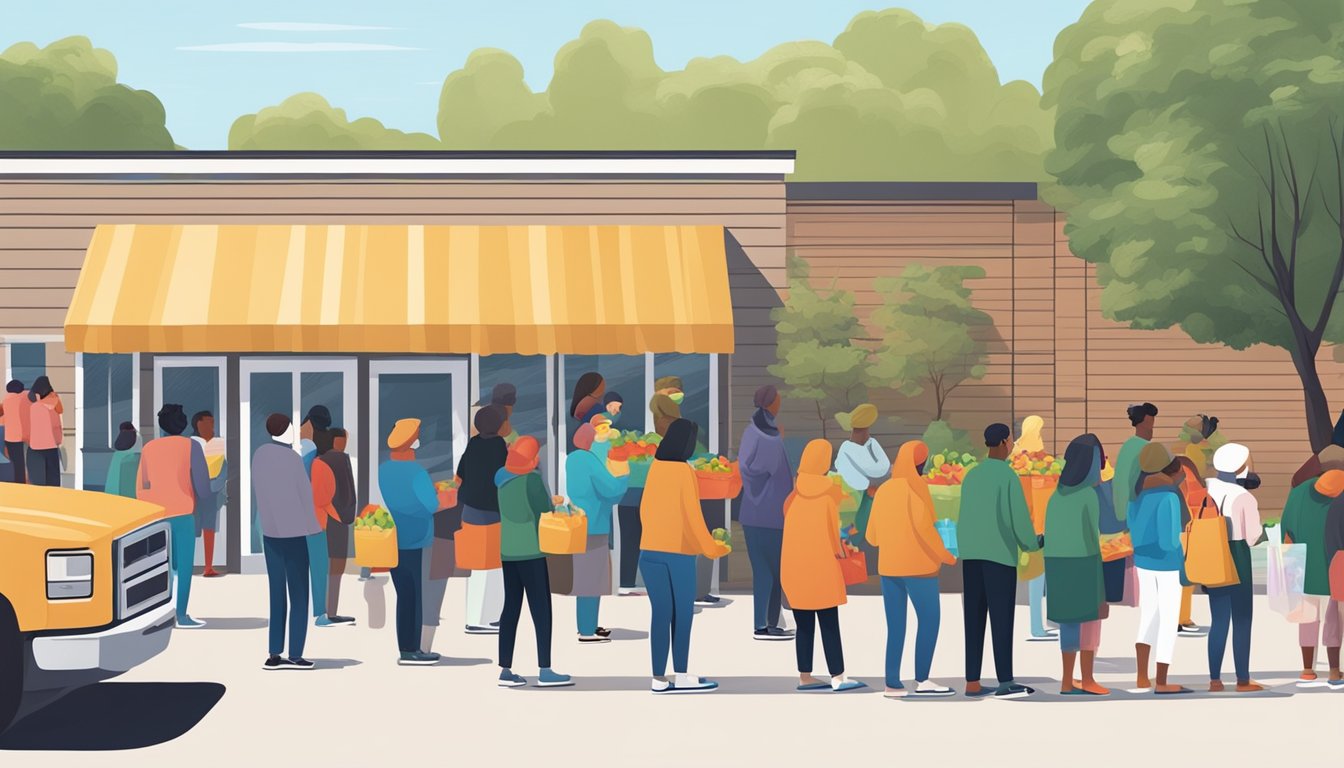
(451, 289)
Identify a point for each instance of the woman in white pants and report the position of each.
(1155, 526)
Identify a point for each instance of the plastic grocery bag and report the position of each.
(947, 529)
(1285, 572)
(946, 502)
(375, 538)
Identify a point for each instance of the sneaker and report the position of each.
(507, 679)
(839, 686)
(660, 685)
(603, 632)
(631, 592)
(418, 659)
(474, 630)
(273, 663)
(707, 600)
(1044, 637)
(347, 620)
(594, 639)
(298, 662)
(431, 655)
(930, 689)
(186, 622)
(1191, 630)
(1335, 685)
(772, 634)
(549, 678)
(687, 684)
(1013, 691)
(323, 621)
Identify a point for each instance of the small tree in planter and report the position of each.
(819, 360)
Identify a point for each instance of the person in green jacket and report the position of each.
(1073, 563)
(522, 500)
(1143, 417)
(125, 465)
(1304, 523)
(994, 524)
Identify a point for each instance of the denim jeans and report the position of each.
(764, 547)
(407, 579)
(287, 573)
(670, 580)
(183, 556)
(1036, 605)
(922, 591)
(585, 611)
(318, 564)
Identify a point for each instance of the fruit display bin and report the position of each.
(716, 486)
(946, 501)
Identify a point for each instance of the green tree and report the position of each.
(819, 359)
(930, 334)
(307, 121)
(66, 96)
(1199, 159)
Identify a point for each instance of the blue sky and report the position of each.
(211, 62)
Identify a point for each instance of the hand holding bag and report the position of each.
(1208, 554)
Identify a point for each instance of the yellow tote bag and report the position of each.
(1208, 555)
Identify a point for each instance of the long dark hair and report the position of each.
(41, 388)
(1078, 458)
(679, 442)
(585, 386)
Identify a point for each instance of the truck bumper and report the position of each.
(100, 655)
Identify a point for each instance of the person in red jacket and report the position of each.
(334, 499)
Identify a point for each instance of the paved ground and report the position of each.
(207, 702)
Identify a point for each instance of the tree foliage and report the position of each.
(1199, 160)
(819, 359)
(929, 332)
(66, 96)
(307, 121)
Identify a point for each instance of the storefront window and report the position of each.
(27, 362)
(323, 388)
(527, 373)
(693, 370)
(196, 389)
(423, 396)
(107, 401)
(623, 374)
(270, 393)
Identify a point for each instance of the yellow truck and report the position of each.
(85, 590)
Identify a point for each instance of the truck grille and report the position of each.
(141, 574)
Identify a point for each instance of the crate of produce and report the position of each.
(718, 477)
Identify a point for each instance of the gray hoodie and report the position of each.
(284, 496)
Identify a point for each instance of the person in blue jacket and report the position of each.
(411, 498)
(1155, 527)
(594, 489)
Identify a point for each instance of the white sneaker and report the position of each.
(659, 686)
(930, 688)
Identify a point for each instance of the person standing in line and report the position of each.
(767, 481)
(1232, 606)
(334, 498)
(1143, 418)
(173, 474)
(1155, 528)
(45, 434)
(863, 465)
(410, 497)
(485, 454)
(505, 395)
(994, 524)
(1304, 521)
(910, 553)
(594, 489)
(1030, 441)
(125, 464)
(1312, 467)
(14, 415)
(1073, 564)
(319, 563)
(586, 399)
(522, 501)
(317, 420)
(207, 509)
(441, 563)
(665, 405)
(1334, 555)
(674, 533)
(1198, 440)
(285, 514)
(810, 568)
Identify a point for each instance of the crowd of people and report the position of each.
(306, 503)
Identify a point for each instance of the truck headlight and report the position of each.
(69, 575)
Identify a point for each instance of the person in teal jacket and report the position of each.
(1155, 527)
(595, 490)
(125, 465)
(410, 497)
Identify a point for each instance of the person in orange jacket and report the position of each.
(673, 534)
(810, 569)
(910, 553)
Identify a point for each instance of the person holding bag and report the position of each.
(485, 454)
(674, 533)
(595, 490)
(1304, 522)
(1073, 564)
(1232, 606)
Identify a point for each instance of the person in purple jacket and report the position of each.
(767, 481)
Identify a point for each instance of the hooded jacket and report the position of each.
(593, 488)
(1155, 528)
(767, 478)
(809, 570)
(901, 525)
(522, 501)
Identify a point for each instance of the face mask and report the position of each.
(1250, 482)
(416, 445)
(677, 397)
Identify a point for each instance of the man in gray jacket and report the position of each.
(286, 513)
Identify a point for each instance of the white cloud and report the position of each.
(280, 47)
(306, 26)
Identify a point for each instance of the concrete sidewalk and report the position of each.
(207, 702)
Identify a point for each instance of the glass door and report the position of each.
(433, 391)
(196, 384)
(291, 386)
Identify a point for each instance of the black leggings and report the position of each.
(989, 591)
(530, 577)
(829, 619)
(44, 466)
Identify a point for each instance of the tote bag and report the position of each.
(1208, 556)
